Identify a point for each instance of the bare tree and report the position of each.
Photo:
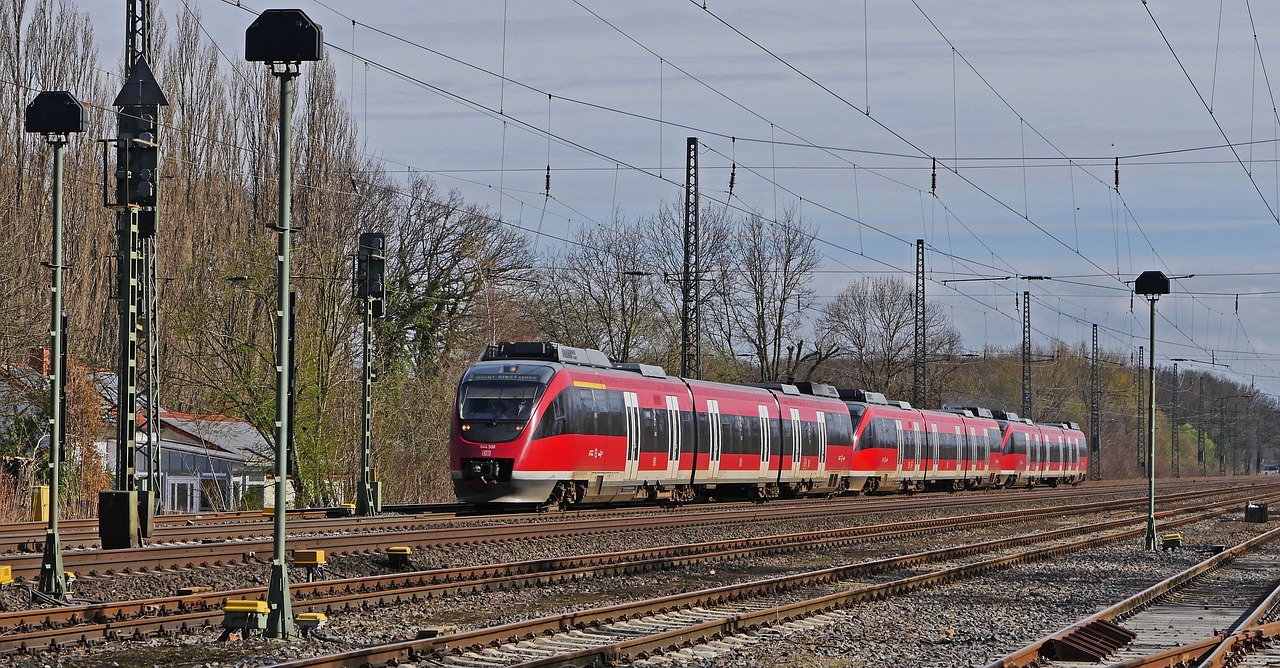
(767, 288)
(873, 323)
(664, 234)
(441, 255)
(603, 293)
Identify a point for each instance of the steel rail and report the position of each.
(138, 618)
(1225, 649)
(20, 537)
(216, 553)
(1061, 642)
(421, 649)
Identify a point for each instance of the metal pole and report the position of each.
(1142, 411)
(1151, 434)
(53, 580)
(690, 281)
(1095, 417)
(1200, 429)
(920, 395)
(364, 495)
(280, 619)
(1026, 354)
(1176, 455)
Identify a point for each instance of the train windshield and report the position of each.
(503, 392)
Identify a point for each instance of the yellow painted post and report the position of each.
(40, 503)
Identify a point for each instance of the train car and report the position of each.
(1032, 454)
(900, 447)
(549, 425)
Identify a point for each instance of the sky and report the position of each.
(840, 111)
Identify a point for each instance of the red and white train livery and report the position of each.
(544, 424)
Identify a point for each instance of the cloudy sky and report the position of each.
(839, 110)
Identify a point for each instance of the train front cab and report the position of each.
(888, 443)
(1048, 454)
(500, 405)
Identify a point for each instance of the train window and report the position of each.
(582, 417)
(1019, 443)
(839, 430)
(615, 423)
(728, 434)
(497, 400)
(686, 431)
(555, 421)
(879, 433)
(809, 439)
(649, 432)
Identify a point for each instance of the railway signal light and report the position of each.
(283, 36)
(371, 268)
(55, 112)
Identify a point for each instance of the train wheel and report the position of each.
(957, 485)
(871, 485)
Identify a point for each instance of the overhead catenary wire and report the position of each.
(615, 167)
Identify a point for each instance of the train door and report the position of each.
(764, 438)
(822, 444)
(796, 437)
(968, 452)
(673, 436)
(1034, 454)
(631, 409)
(898, 443)
(713, 437)
(916, 446)
(935, 447)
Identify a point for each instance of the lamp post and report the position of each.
(1150, 285)
(283, 39)
(56, 115)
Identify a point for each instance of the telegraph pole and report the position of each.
(1142, 432)
(1150, 285)
(1200, 430)
(140, 14)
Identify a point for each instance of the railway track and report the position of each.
(712, 620)
(1219, 612)
(214, 552)
(82, 534)
(97, 623)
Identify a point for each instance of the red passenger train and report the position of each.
(549, 425)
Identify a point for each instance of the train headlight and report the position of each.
(466, 427)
